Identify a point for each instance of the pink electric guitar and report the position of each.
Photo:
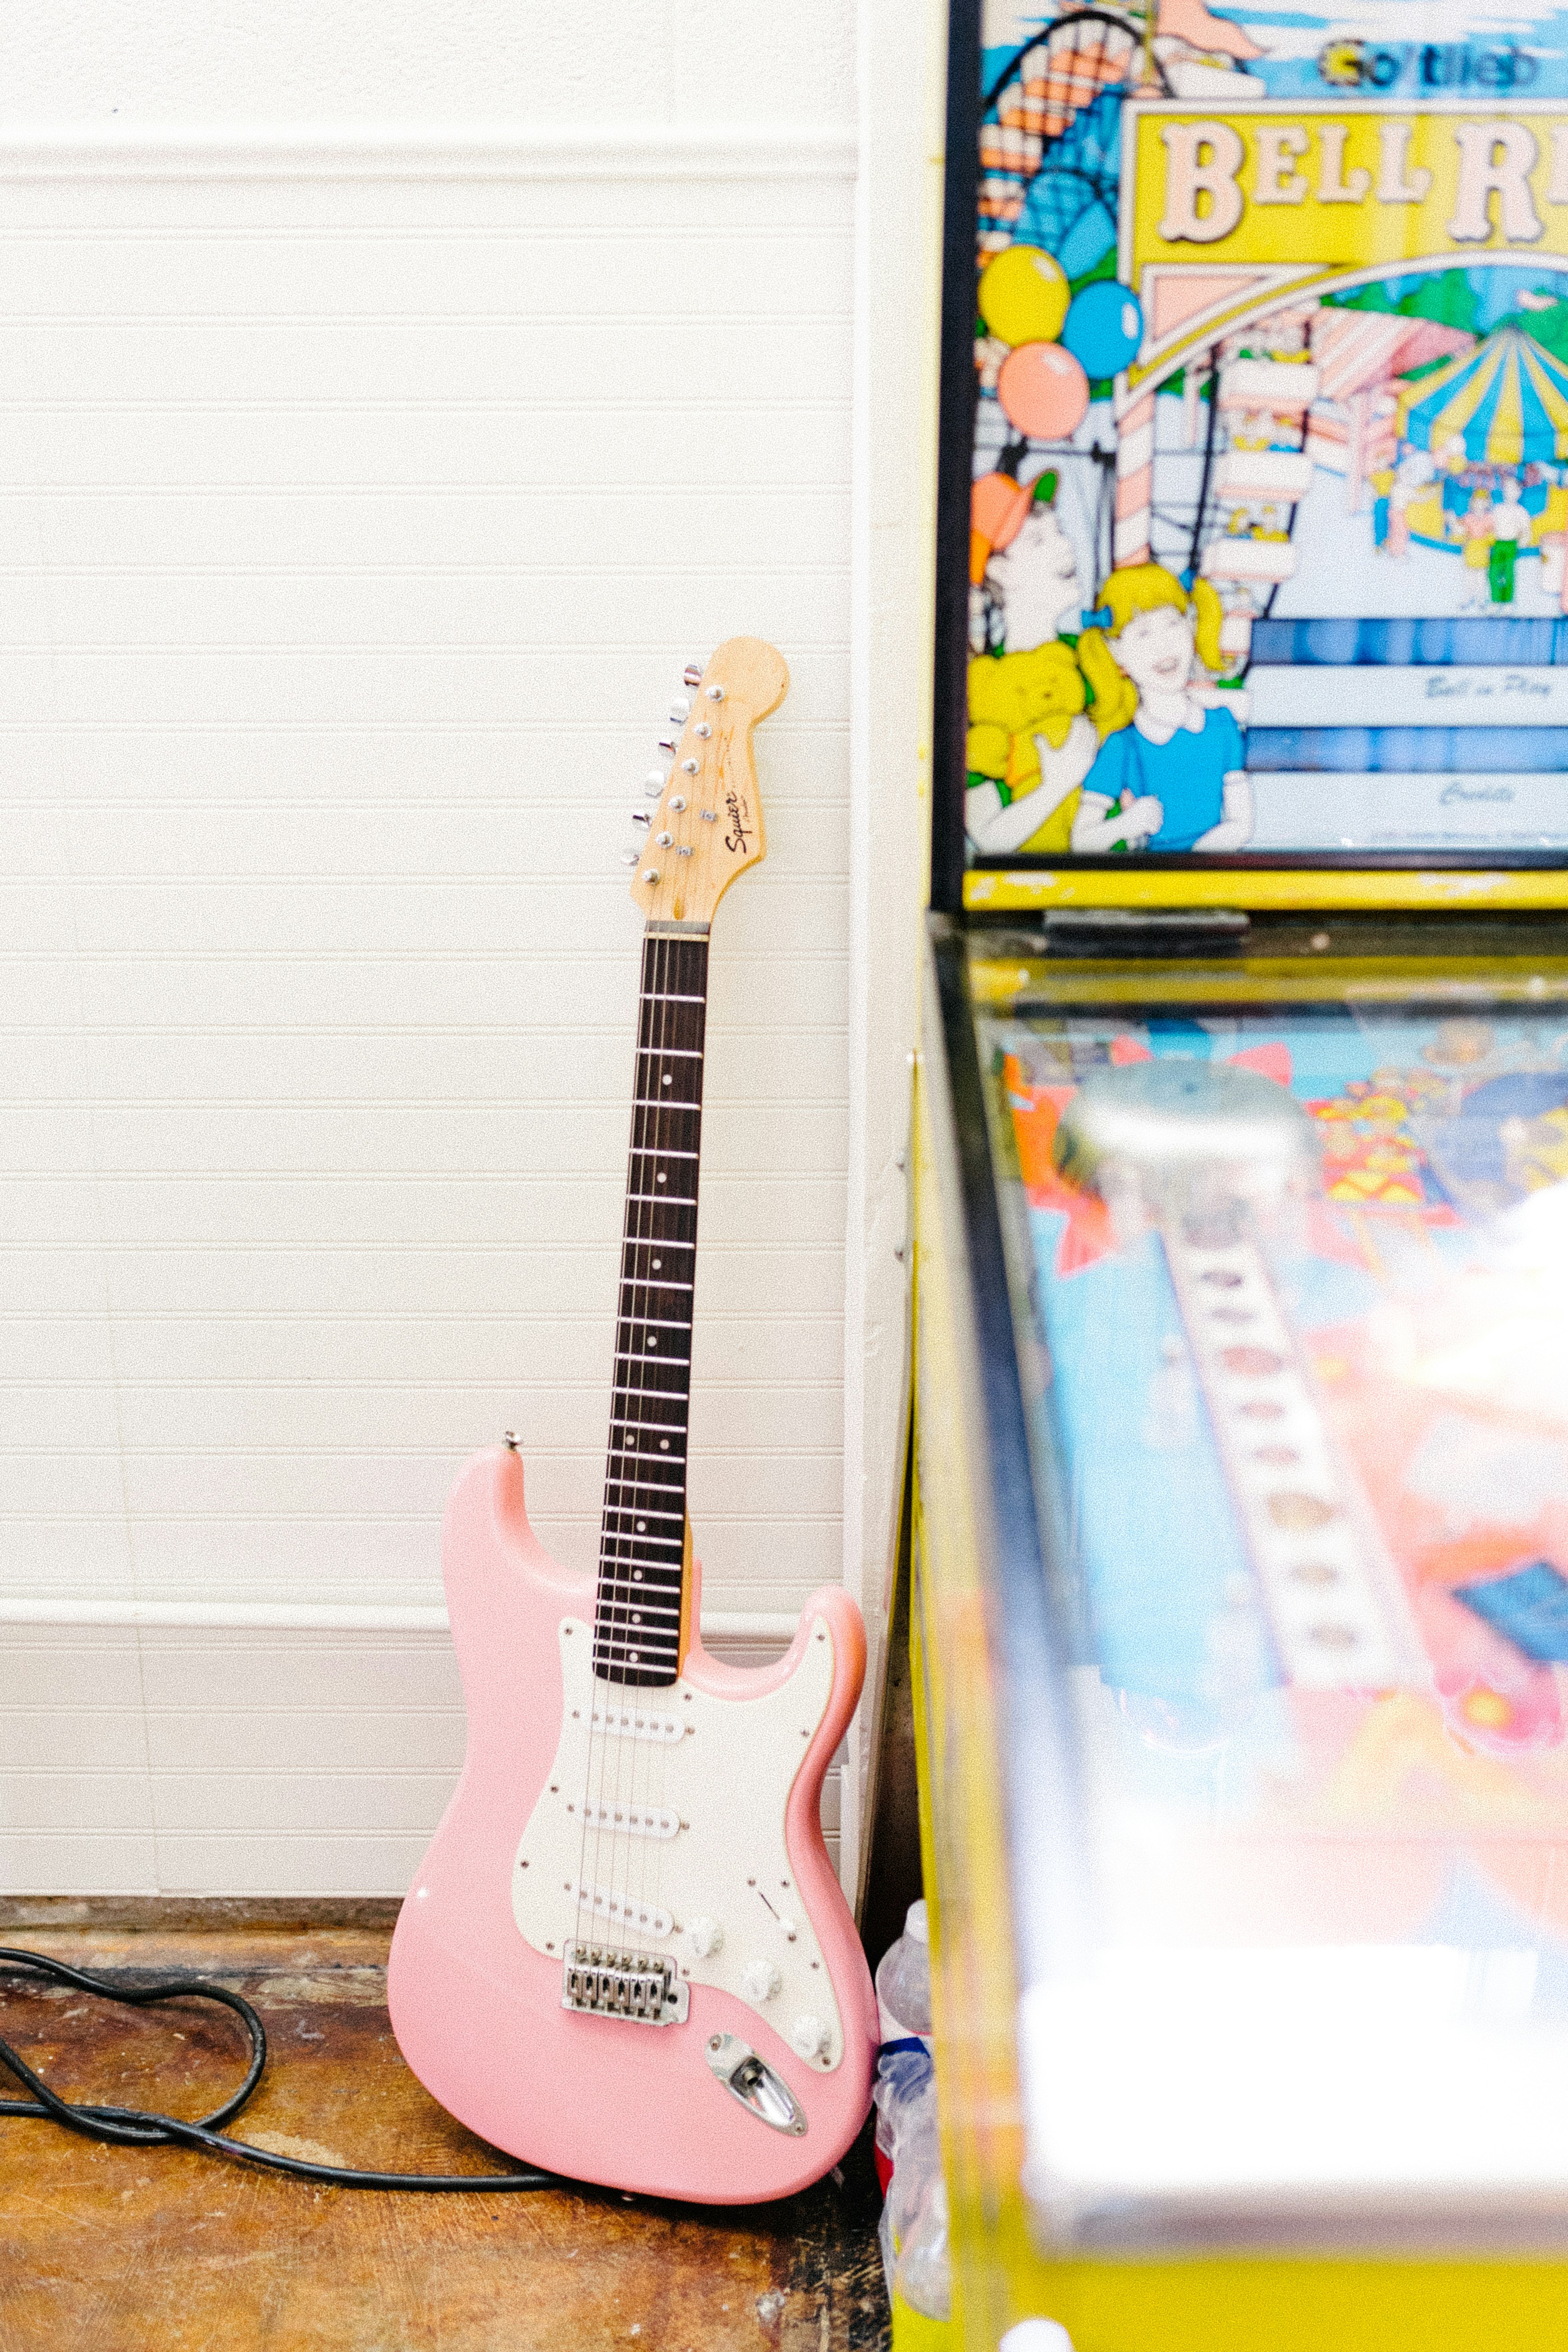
(626, 1956)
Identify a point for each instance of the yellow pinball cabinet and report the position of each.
(1240, 1581)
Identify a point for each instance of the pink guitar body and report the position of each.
(736, 1760)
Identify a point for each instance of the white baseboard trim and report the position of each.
(723, 1625)
(426, 151)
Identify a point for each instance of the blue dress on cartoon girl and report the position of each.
(1187, 775)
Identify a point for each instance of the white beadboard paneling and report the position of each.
(696, 63)
(237, 1760)
(430, 995)
(342, 531)
(361, 495)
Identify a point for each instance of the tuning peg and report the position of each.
(655, 781)
(641, 816)
(680, 709)
(631, 858)
(666, 743)
(692, 674)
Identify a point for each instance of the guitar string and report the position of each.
(688, 1122)
(632, 1859)
(614, 1613)
(614, 1600)
(646, 1755)
(613, 1604)
(690, 1025)
(591, 1839)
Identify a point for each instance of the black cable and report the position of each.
(139, 2127)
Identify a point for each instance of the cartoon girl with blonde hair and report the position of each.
(1170, 773)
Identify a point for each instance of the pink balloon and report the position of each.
(1043, 391)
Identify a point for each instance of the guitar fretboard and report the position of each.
(637, 1622)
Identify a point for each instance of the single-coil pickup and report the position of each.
(623, 1723)
(631, 1821)
(641, 1918)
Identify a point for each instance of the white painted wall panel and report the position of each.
(356, 514)
(232, 1761)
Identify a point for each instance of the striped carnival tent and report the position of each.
(1507, 400)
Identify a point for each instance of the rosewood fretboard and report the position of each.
(637, 1624)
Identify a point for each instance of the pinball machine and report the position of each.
(1240, 1576)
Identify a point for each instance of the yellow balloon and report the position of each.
(1023, 295)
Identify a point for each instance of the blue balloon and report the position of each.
(1104, 329)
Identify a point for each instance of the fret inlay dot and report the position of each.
(659, 1178)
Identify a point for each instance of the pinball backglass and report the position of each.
(1260, 422)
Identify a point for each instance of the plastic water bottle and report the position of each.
(922, 2276)
(905, 2093)
(904, 1981)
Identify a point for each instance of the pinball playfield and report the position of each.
(1242, 1627)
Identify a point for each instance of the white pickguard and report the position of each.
(727, 1777)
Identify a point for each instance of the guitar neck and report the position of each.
(642, 1546)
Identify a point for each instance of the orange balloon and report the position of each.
(1043, 391)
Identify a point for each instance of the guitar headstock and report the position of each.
(708, 824)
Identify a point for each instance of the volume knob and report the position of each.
(809, 2036)
(705, 1937)
(760, 1980)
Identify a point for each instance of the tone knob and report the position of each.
(809, 2036)
(705, 1937)
(760, 1980)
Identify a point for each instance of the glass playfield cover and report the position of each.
(1292, 1290)
(1269, 470)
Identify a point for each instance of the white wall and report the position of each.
(380, 434)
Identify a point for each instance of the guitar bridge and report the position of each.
(641, 1989)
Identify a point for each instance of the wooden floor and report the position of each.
(117, 2250)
